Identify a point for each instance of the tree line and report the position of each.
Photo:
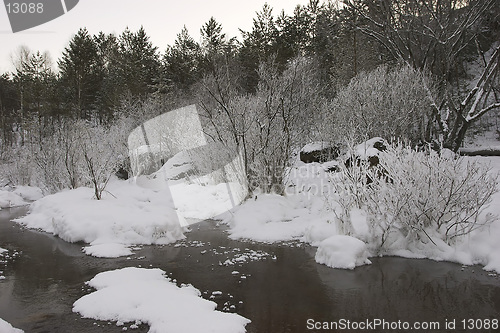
(291, 78)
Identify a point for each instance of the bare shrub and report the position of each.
(418, 195)
(266, 126)
(384, 102)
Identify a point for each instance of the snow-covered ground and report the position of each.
(307, 214)
(150, 211)
(146, 210)
(5, 327)
(138, 295)
(127, 215)
(18, 196)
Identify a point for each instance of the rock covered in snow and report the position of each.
(367, 151)
(341, 251)
(319, 152)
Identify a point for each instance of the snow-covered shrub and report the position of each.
(15, 168)
(100, 149)
(75, 154)
(416, 195)
(386, 102)
(266, 126)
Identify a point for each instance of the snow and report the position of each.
(29, 193)
(270, 218)
(146, 295)
(341, 251)
(307, 213)
(315, 146)
(197, 197)
(367, 149)
(128, 214)
(9, 199)
(1, 261)
(18, 196)
(5, 327)
(107, 250)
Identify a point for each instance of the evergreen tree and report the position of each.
(35, 82)
(81, 74)
(9, 104)
(216, 50)
(139, 64)
(182, 62)
(258, 46)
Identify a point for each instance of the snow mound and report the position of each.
(29, 193)
(270, 218)
(5, 327)
(131, 215)
(318, 232)
(342, 252)
(146, 295)
(369, 148)
(9, 199)
(107, 250)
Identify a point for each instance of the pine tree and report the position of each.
(139, 65)
(182, 62)
(81, 74)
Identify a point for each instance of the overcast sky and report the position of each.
(162, 20)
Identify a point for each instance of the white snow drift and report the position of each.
(308, 213)
(18, 196)
(342, 252)
(127, 215)
(148, 296)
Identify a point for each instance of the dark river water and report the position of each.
(282, 290)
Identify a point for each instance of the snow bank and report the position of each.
(146, 295)
(5, 327)
(1, 276)
(29, 193)
(308, 212)
(18, 196)
(270, 218)
(9, 199)
(127, 215)
(342, 252)
(196, 197)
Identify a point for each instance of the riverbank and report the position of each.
(279, 287)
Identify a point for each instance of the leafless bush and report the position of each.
(385, 102)
(418, 195)
(266, 126)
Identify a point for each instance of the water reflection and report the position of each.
(277, 295)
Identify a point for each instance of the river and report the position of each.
(282, 289)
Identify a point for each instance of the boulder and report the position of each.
(319, 152)
(367, 151)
